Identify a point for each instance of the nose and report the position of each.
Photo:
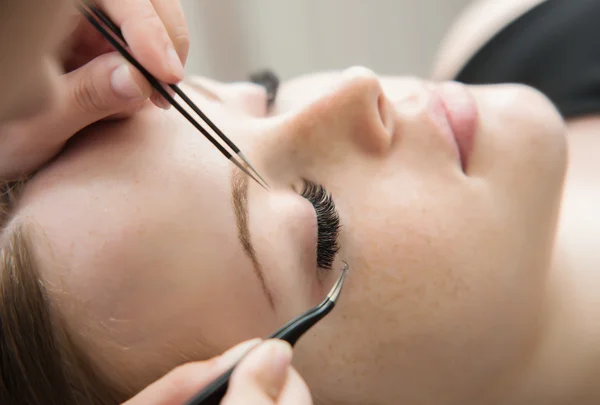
(354, 113)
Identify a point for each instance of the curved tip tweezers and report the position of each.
(291, 332)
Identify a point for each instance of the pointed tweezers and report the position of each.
(87, 9)
(291, 332)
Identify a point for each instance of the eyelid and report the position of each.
(247, 98)
(203, 88)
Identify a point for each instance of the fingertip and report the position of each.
(267, 367)
(155, 51)
(153, 42)
(182, 45)
(237, 352)
(160, 101)
(173, 17)
(174, 64)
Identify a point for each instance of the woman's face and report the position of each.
(140, 226)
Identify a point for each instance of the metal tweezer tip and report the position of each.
(337, 287)
(241, 155)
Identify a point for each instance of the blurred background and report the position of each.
(231, 38)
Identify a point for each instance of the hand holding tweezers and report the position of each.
(291, 332)
(99, 20)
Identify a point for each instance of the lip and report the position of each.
(462, 116)
(453, 107)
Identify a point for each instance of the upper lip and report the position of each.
(459, 116)
(438, 111)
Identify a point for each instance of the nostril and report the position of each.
(381, 109)
(386, 113)
(380, 106)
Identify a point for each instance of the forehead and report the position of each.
(144, 198)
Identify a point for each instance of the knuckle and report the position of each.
(88, 97)
(150, 21)
(181, 36)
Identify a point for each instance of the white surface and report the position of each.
(231, 38)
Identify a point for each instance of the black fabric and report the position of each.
(554, 47)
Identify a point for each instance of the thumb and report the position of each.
(105, 86)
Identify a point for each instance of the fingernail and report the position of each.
(160, 101)
(232, 355)
(175, 65)
(124, 85)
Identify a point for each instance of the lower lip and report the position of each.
(462, 116)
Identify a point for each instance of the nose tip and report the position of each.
(375, 116)
(351, 115)
(360, 73)
(360, 81)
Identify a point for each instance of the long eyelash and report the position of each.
(328, 223)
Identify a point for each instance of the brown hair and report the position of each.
(39, 362)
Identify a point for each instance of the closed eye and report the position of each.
(204, 90)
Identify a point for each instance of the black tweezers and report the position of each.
(291, 332)
(90, 11)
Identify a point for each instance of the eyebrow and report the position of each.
(239, 197)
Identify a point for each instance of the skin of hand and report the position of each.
(96, 82)
(264, 377)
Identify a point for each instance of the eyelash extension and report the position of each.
(270, 81)
(328, 223)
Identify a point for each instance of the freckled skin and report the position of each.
(442, 299)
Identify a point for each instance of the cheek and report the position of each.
(441, 291)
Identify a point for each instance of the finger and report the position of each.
(295, 391)
(84, 44)
(160, 101)
(173, 18)
(102, 88)
(184, 382)
(105, 86)
(260, 377)
(147, 37)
